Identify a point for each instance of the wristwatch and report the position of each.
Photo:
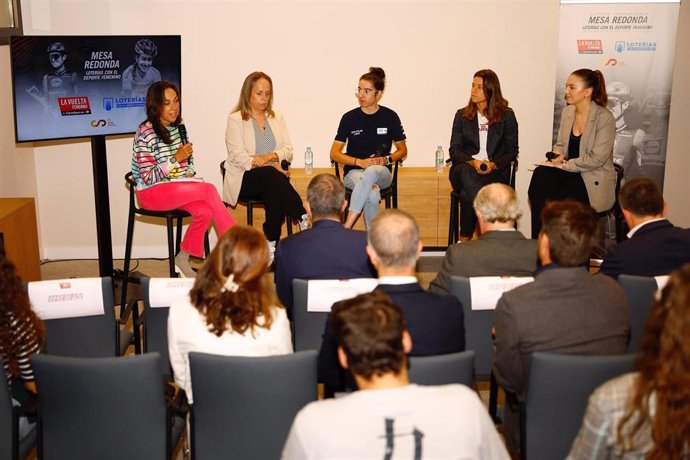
(173, 160)
(389, 159)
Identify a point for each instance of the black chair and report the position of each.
(443, 369)
(615, 210)
(155, 317)
(454, 216)
(244, 407)
(102, 408)
(557, 394)
(251, 203)
(478, 337)
(308, 326)
(171, 217)
(640, 292)
(388, 194)
(86, 334)
(11, 448)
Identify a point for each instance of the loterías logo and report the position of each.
(97, 123)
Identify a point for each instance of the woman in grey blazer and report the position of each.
(258, 144)
(582, 168)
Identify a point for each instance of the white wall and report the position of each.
(315, 51)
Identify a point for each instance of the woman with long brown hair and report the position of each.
(646, 414)
(581, 163)
(21, 335)
(483, 144)
(231, 309)
(163, 167)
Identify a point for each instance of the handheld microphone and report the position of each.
(551, 156)
(483, 167)
(285, 165)
(183, 133)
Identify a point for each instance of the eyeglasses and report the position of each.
(366, 91)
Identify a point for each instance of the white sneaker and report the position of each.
(271, 252)
(304, 223)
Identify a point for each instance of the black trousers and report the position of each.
(465, 180)
(273, 188)
(553, 184)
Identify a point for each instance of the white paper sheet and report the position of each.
(486, 290)
(322, 294)
(661, 281)
(164, 291)
(69, 298)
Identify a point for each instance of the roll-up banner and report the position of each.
(633, 46)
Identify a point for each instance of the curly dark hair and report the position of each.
(663, 373)
(242, 253)
(15, 311)
(370, 329)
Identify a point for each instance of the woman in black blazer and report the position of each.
(483, 144)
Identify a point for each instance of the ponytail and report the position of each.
(594, 79)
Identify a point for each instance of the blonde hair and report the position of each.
(246, 95)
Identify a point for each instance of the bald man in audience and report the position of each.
(656, 246)
(565, 310)
(389, 417)
(501, 250)
(435, 321)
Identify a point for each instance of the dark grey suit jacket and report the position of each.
(496, 253)
(565, 310)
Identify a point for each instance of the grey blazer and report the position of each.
(565, 310)
(596, 153)
(495, 253)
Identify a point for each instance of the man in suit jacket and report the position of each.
(655, 246)
(565, 309)
(434, 321)
(500, 250)
(326, 251)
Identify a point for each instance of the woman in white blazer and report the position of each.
(258, 143)
(583, 151)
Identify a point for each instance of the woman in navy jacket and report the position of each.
(483, 144)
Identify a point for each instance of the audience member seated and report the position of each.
(399, 419)
(327, 250)
(655, 246)
(231, 310)
(500, 250)
(565, 309)
(21, 334)
(646, 414)
(435, 321)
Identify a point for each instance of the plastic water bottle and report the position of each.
(308, 161)
(439, 159)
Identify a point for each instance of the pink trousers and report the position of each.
(199, 199)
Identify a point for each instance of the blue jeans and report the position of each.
(361, 181)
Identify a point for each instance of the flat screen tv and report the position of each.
(84, 86)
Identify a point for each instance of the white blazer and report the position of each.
(241, 146)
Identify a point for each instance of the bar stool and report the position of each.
(454, 217)
(250, 203)
(173, 245)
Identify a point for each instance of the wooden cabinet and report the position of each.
(20, 236)
(422, 192)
